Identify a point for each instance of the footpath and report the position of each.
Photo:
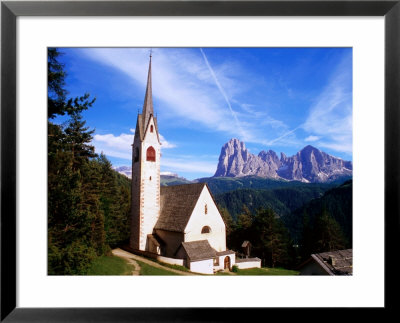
(130, 258)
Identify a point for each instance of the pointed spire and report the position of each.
(148, 100)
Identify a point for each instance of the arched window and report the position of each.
(151, 154)
(151, 128)
(206, 229)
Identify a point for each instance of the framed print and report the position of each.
(367, 33)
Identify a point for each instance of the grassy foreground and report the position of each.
(110, 265)
(146, 269)
(264, 271)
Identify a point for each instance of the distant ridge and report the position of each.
(124, 170)
(166, 178)
(309, 165)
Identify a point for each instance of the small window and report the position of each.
(205, 209)
(151, 128)
(206, 229)
(151, 154)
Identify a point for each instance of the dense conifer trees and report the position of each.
(88, 202)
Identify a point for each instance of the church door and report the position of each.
(227, 263)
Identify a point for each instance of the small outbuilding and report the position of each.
(339, 262)
(198, 256)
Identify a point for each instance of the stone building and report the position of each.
(177, 224)
(333, 263)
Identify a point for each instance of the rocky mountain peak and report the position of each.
(309, 165)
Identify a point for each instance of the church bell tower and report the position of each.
(145, 207)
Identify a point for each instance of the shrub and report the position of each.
(235, 268)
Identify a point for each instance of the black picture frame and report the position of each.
(10, 10)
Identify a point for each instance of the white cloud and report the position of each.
(180, 164)
(120, 146)
(186, 85)
(114, 146)
(165, 144)
(331, 115)
(311, 138)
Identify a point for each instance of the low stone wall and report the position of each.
(171, 261)
(248, 263)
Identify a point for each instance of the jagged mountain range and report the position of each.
(309, 165)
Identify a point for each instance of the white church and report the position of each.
(175, 224)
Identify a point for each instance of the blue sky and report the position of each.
(271, 98)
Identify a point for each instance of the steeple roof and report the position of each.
(148, 101)
(143, 119)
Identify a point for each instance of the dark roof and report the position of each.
(176, 206)
(139, 129)
(338, 262)
(199, 250)
(226, 252)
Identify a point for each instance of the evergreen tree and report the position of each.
(242, 230)
(75, 222)
(245, 219)
(271, 239)
(114, 198)
(57, 103)
(77, 141)
(56, 84)
(307, 236)
(327, 234)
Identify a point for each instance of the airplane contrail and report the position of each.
(284, 135)
(223, 93)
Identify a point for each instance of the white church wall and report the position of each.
(150, 185)
(202, 266)
(212, 219)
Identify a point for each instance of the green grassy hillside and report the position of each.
(110, 265)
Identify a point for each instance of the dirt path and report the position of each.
(130, 257)
(121, 253)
